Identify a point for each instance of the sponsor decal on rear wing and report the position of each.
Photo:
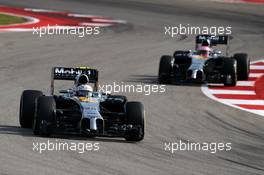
(219, 39)
(214, 40)
(68, 73)
(65, 73)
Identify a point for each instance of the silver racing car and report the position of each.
(205, 64)
(82, 109)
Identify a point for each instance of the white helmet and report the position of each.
(84, 90)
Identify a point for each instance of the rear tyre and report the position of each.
(165, 68)
(229, 71)
(136, 117)
(44, 115)
(27, 107)
(243, 64)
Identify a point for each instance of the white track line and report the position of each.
(245, 83)
(95, 24)
(243, 102)
(83, 16)
(39, 10)
(259, 112)
(256, 67)
(16, 30)
(109, 20)
(242, 92)
(261, 60)
(255, 75)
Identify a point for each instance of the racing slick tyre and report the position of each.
(44, 115)
(136, 117)
(243, 64)
(27, 107)
(165, 68)
(230, 72)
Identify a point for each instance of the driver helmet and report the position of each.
(206, 42)
(84, 90)
(81, 79)
(204, 51)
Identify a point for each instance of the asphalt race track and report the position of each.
(131, 53)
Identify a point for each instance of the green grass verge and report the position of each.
(7, 19)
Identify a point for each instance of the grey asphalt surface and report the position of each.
(131, 54)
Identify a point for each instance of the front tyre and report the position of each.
(165, 68)
(44, 115)
(243, 66)
(230, 72)
(27, 107)
(136, 117)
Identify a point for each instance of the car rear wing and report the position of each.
(214, 40)
(69, 73)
